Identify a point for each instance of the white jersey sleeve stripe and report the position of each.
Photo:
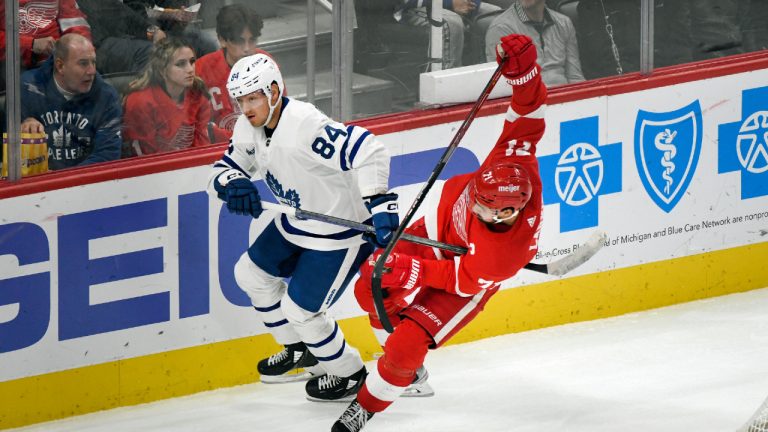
(457, 288)
(68, 23)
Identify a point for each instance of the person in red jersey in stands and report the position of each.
(238, 28)
(168, 107)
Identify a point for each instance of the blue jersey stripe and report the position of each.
(335, 356)
(343, 235)
(228, 160)
(276, 324)
(343, 156)
(326, 340)
(268, 308)
(356, 147)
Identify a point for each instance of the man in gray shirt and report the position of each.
(552, 32)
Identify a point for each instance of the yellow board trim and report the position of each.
(181, 372)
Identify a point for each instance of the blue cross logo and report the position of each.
(743, 144)
(582, 172)
(667, 149)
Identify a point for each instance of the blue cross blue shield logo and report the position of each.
(583, 171)
(667, 149)
(743, 144)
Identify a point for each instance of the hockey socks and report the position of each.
(404, 353)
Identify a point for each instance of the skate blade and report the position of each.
(418, 390)
(293, 376)
(345, 399)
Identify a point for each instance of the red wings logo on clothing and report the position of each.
(459, 214)
(34, 16)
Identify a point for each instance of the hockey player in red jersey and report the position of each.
(494, 212)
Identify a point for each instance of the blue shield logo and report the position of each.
(667, 149)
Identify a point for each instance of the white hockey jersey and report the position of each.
(313, 163)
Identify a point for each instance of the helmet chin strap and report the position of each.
(268, 93)
(497, 219)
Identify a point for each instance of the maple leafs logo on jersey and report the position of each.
(289, 197)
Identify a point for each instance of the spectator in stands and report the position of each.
(67, 99)
(41, 23)
(168, 107)
(238, 28)
(609, 35)
(180, 25)
(469, 18)
(122, 36)
(552, 32)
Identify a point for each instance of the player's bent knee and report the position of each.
(297, 315)
(255, 281)
(407, 346)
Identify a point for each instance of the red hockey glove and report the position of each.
(400, 270)
(520, 52)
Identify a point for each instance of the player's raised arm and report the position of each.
(524, 120)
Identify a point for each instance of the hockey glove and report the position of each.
(521, 56)
(385, 218)
(400, 270)
(239, 193)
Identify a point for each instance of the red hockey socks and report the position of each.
(404, 352)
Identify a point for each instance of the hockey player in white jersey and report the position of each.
(311, 162)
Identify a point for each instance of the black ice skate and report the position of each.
(353, 419)
(419, 387)
(332, 388)
(293, 363)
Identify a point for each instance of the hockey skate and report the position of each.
(332, 388)
(353, 419)
(419, 387)
(293, 363)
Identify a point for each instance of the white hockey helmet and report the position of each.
(254, 73)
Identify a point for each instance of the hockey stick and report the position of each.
(304, 214)
(378, 294)
(556, 268)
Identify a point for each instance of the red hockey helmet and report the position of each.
(502, 185)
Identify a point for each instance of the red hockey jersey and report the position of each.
(214, 71)
(492, 256)
(154, 123)
(42, 18)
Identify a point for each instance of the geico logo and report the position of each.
(177, 263)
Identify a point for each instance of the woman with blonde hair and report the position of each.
(168, 107)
